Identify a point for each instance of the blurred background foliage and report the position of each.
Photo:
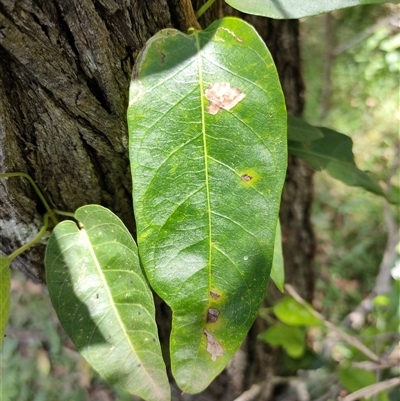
(351, 69)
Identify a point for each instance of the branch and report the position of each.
(373, 389)
(356, 318)
(391, 20)
(340, 333)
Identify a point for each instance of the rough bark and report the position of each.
(65, 68)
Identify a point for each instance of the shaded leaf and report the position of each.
(289, 311)
(278, 267)
(5, 285)
(300, 131)
(354, 379)
(104, 303)
(284, 9)
(333, 153)
(207, 127)
(292, 339)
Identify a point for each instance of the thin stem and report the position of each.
(37, 190)
(351, 340)
(62, 213)
(35, 240)
(204, 8)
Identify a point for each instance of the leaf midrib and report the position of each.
(105, 286)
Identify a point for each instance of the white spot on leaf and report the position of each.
(222, 96)
(213, 346)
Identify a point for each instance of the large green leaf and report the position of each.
(5, 284)
(104, 303)
(283, 9)
(208, 153)
(333, 153)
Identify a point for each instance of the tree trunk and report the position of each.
(65, 69)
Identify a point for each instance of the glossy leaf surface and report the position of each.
(5, 284)
(333, 153)
(104, 303)
(207, 127)
(284, 9)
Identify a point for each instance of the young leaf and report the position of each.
(285, 9)
(207, 127)
(5, 284)
(333, 153)
(278, 267)
(290, 312)
(104, 303)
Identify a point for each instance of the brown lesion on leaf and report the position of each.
(214, 295)
(213, 346)
(222, 96)
(246, 177)
(212, 315)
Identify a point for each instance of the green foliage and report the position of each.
(291, 338)
(333, 153)
(354, 379)
(284, 9)
(290, 312)
(278, 267)
(5, 281)
(208, 163)
(104, 303)
(208, 151)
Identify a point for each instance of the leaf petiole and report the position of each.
(37, 190)
(204, 8)
(35, 240)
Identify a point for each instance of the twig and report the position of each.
(251, 394)
(328, 63)
(350, 339)
(391, 20)
(373, 389)
(357, 317)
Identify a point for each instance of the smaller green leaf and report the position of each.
(290, 312)
(285, 9)
(292, 339)
(354, 379)
(333, 153)
(5, 285)
(278, 268)
(300, 131)
(104, 303)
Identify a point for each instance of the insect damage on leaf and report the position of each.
(222, 96)
(213, 346)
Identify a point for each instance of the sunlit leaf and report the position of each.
(207, 127)
(104, 303)
(278, 268)
(284, 9)
(5, 284)
(292, 339)
(289, 311)
(333, 153)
